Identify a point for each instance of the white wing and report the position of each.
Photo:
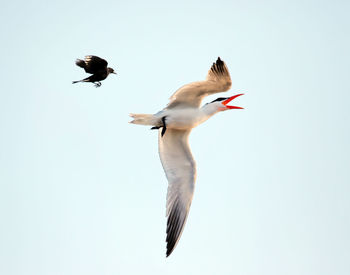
(180, 170)
(218, 80)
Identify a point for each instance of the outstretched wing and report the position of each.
(180, 170)
(95, 64)
(218, 80)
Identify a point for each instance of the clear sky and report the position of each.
(83, 192)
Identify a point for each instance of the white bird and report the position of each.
(175, 123)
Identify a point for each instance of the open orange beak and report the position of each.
(225, 102)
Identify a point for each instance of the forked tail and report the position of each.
(145, 119)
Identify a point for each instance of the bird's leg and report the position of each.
(98, 84)
(164, 126)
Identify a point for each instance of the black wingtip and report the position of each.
(219, 65)
(169, 250)
(219, 62)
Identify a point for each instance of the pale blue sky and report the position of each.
(83, 192)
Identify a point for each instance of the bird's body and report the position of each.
(184, 118)
(97, 67)
(175, 123)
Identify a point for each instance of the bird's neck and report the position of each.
(209, 110)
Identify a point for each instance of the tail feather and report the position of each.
(144, 119)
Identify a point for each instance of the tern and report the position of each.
(97, 67)
(175, 123)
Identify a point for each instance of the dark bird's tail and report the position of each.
(80, 63)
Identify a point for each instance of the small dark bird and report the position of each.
(97, 67)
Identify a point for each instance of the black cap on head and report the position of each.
(219, 99)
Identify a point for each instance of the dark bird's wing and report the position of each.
(95, 64)
(180, 170)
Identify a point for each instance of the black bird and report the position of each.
(97, 67)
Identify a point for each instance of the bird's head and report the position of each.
(111, 71)
(221, 103)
